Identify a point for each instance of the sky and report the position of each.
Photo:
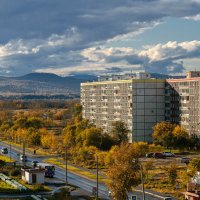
(99, 37)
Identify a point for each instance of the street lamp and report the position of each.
(10, 148)
(97, 176)
(141, 176)
(66, 169)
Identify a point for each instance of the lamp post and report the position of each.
(142, 180)
(137, 162)
(66, 169)
(97, 176)
(10, 148)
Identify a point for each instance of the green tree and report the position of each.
(2, 164)
(122, 172)
(92, 137)
(180, 137)
(194, 142)
(119, 132)
(162, 134)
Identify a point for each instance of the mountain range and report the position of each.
(46, 85)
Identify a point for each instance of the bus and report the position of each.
(49, 169)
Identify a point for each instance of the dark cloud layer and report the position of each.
(48, 34)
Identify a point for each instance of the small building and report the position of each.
(33, 175)
(192, 196)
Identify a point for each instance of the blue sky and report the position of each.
(99, 37)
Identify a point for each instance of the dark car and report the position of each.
(185, 160)
(34, 163)
(150, 155)
(159, 155)
(4, 150)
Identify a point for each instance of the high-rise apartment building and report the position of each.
(139, 102)
(183, 102)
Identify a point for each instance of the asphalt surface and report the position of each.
(83, 183)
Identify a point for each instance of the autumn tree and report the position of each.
(180, 137)
(193, 166)
(122, 172)
(171, 171)
(162, 134)
(119, 132)
(92, 137)
(69, 135)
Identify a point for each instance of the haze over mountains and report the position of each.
(46, 85)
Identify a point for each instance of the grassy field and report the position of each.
(5, 188)
(31, 149)
(73, 169)
(6, 158)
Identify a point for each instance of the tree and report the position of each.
(194, 142)
(172, 173)
(70, 135)
(122, 172)
(2, 164)
(193, 167)
(180, 137)
(92, 137)
(162, 134)
(119, 132)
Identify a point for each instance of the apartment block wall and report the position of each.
(183, 103)
(148, 107)
(139, 103)
(106, 102)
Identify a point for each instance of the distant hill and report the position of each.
(47, 85)
(42, 85)
(164, 76)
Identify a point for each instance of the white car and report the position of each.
(23, 158)
(168, 154)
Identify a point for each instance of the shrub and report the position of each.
(15, 172)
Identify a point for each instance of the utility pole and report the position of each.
(142, 179)
(10, 148)
(24, 159)
(97, 175)
(66, 182)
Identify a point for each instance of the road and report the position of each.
(60, 173)
(83, 183)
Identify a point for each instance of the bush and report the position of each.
(15, 172)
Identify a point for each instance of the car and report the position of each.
(34, 163)
(159, 155)
(185, 160)
(4, 150)
(23, 158)
(169, 154)
(150, 155)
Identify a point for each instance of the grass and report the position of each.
(6, 188)
(6, 158)
(31, 149)
(73, 169)
(158, 180)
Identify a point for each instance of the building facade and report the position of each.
(183, 102)
(140, 103)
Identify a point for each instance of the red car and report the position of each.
(159, 155)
